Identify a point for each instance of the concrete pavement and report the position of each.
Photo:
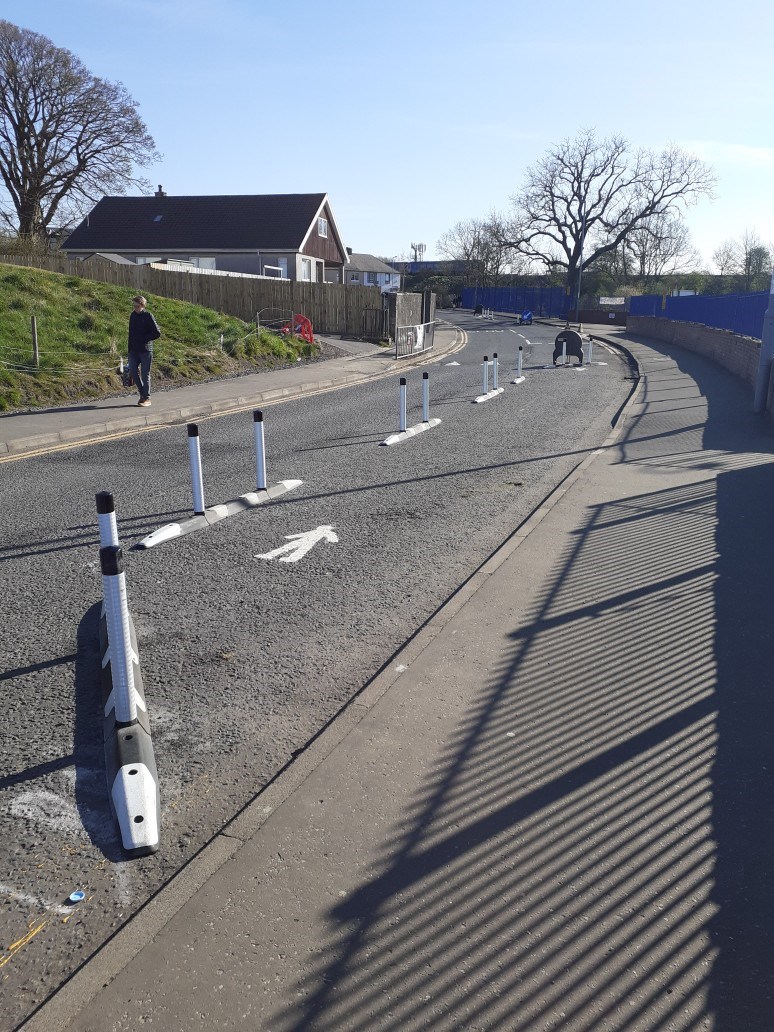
(555, 808)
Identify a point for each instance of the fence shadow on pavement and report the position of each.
(593, 849)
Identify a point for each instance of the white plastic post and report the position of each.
(260, 449)
(494, 371)
(591, 350)
(518, 364)
(195, 456)
(564, 351)
(106, 515)
(402, 412)
(425, 397)
(485, 376)
(119, 640)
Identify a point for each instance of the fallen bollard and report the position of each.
(129, 760)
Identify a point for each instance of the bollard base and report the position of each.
(488, 396)
(519, 379)
(216, 513)
(405, 435)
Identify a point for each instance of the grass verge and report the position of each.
(82, 327)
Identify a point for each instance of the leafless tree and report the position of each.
(66, 137)
(483, 250)
(726, 257)
(746, 257)
(586, 196)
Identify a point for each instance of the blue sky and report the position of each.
(415, 115)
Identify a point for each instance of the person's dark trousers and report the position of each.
(139, 366)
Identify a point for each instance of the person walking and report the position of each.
(143, 330)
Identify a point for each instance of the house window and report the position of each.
(283, 267)
(372, 279)
(306, 269)
(322, 227)
(354, 277)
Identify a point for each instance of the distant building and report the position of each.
(369, 271)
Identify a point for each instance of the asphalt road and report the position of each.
(244, 659)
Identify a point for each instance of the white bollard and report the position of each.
(402, 411)
(106, 516)
(117, 617)
(195, 457)
(494, 371)
(425, 397)
(260, 449)
(564, 351)
(591, 349)
(485, 376)
(518, 363)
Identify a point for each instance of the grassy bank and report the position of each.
(82, 328)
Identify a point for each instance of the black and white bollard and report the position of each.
(260, 449)
(130, 764)
(195, 458)
(206, 516)
(591, 349)
(494, 371)
(564, 351)
(519, 376)
(485, 376)
(427, 423)
(106, 517)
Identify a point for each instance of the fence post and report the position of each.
(35, 352)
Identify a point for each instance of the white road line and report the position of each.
(34, 901)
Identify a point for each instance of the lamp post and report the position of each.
(580, 267)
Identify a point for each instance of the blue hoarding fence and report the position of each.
(548, 302)
(741, 313)
(646, 304)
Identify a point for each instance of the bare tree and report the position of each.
(481, 247)
(660, 246)
(66, 137)
(586, 196)
(746, 257)
(726, 257)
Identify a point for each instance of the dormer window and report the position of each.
(322, 227)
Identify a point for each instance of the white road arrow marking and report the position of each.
(299, 544)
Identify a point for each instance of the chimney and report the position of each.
(349, 251)
(159, 192)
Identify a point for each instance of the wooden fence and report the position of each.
(332, 307)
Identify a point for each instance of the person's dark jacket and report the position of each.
(143, 330)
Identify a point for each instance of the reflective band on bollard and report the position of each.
(119, 639)
(106, 516)
(260, 450)
(402, 412)
(195, 456)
